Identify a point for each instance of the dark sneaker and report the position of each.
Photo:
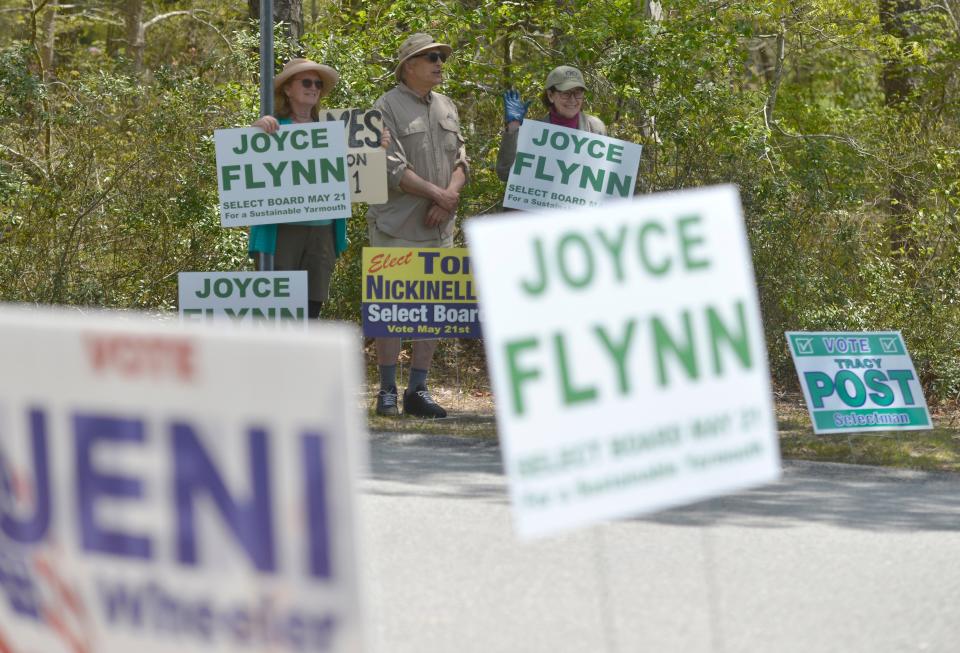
(387, 402)
(418, 402)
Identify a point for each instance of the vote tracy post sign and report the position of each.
(296, 174)
(627, 357)
(858, 381)
(160, 490)
(559, 167)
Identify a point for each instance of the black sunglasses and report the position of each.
(434, 56)
(307, 83)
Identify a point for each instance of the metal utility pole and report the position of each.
(265, 262)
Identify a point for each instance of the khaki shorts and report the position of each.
(310, 248)
(381, 239)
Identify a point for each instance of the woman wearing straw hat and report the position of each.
(315, 245)
(563, 95)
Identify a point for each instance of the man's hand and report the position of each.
(447, 199)
(437, 216)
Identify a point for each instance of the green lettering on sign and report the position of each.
(571, 394)
(518, 375)
(684, 352)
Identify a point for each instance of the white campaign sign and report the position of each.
(558, 167)
(858, 381)
(296, 174)
(165, 488)
(244, 297)
(627, 357)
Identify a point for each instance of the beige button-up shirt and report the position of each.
(427, 140)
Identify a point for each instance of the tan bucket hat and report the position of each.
(414, 45)
(328, 75)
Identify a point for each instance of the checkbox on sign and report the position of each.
(804, 345)
(889, 345)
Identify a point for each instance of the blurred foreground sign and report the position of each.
(627, 357)
(161, 491)
(858, 381)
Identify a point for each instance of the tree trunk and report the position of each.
(289, 12)
(48, 35)
(895, 18)
(136, 42)
(899, 83)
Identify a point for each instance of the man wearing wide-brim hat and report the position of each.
(426, 168)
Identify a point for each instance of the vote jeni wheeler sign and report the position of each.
(160, 490)
(296, 174)
(558, 167)
(858, 381)
(627, 356)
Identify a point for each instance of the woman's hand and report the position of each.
(268, 124)
(514, 109)
(385, 138)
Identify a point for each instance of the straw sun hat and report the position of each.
(293, 67)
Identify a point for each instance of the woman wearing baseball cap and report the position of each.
(315, 245)
(563, 95)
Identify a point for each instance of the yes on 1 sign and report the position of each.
(366, 160)
(160, 491)
(627, 357)
(558, 167)
(858, 381)
(296, 174)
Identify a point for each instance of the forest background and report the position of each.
(838, 120)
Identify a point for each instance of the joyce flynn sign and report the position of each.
(296, 174)
(627, 356)
(277, 298)
(559, 167)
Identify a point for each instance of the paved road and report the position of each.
(834, 558)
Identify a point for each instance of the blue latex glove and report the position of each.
(513, 107)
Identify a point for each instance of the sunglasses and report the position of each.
(307, 83)
(434, 56)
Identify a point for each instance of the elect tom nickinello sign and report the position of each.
(627, 357)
